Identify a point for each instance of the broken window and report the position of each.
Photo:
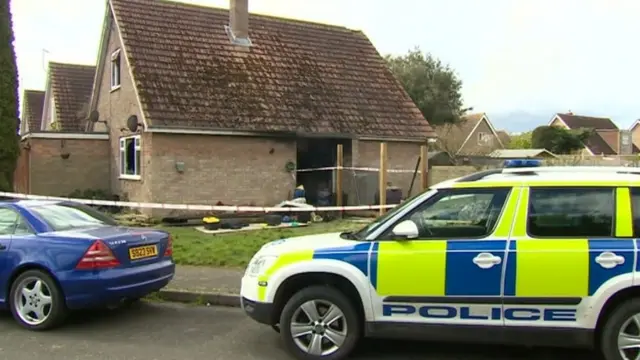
(130, 151)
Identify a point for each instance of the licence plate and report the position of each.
(143, 252)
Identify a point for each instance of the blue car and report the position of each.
(58, 256)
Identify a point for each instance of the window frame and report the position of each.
(116, 69)
(613, 190)
(122, 154)
(481, 135)
(19, 217)
(386, 234)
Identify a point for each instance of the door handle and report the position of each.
(609, 260)
(3, 247)
(486, 260)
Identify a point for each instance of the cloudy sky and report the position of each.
(518, 59)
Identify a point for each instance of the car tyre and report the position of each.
(35, 289)
(339, 321)
(624, 320)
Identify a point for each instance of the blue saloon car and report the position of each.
(57, 256)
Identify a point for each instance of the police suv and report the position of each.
(526, 255)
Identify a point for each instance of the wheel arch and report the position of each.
(22, 268)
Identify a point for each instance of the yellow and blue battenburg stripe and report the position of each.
(356, 255)
(534, 267)
(561, 267)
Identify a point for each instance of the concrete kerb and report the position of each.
(201, 298)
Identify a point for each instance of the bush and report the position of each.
(97, 194)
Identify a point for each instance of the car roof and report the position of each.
(29, 203)
(548, 176)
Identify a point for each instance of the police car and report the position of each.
(525, 254)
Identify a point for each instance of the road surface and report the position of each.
(163, 331)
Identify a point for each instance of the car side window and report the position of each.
(459, 213)
(571, 212)
(8, 220)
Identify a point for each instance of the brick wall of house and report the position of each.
(114, 108)
(21, 175)
(85, 168)
(236, 170)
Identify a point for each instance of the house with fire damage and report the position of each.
(208, 105)
(606, 137)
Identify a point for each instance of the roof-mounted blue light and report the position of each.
(522, 163)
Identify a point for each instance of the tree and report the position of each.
(433, 86)
(522, 141)
(559, 140)
(9, 124)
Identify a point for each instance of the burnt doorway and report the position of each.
(317, 153)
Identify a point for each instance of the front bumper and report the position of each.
(260, 312)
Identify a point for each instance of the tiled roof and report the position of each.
(578, 121)
(33, 106)
(71, 87)
(598, 145)
(296, 77)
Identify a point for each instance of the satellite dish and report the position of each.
(94, 116)
(132, 123)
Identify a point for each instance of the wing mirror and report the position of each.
(405, 230)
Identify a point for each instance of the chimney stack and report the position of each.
(239, 18)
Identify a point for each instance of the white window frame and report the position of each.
(484, 138)
(122, 157)
(116, 70)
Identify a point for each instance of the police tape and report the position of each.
(224, 208)
(368, 169)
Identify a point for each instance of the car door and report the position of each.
(565, 244)
(8, 219)
(451, 273)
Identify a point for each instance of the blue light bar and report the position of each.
(522, 163)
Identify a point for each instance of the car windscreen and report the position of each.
(68, 216)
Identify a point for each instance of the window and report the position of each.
(372, 226)
(8, 220)
(130, 163)
(68, 216)
(116, 67)
(464, 213)
(11, 223)
(484, 138)
(571, 212)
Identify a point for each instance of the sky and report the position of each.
(518, 59)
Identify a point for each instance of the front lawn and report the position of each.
(192, 247)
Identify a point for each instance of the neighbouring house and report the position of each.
(522, 154)
(504, 137)
(635, 133)
(207, 105)
(606, 139)
(474, 135)
(31, 113)
(57, 156)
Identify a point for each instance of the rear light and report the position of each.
(98, 256)
(169, 250)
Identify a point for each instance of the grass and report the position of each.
(192, 247)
